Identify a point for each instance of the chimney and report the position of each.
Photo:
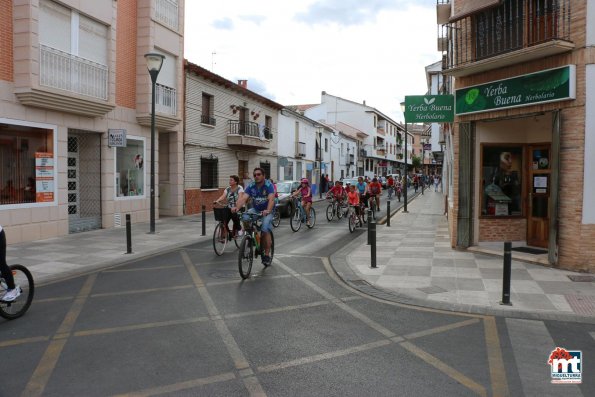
(243, 83)
(364, 102)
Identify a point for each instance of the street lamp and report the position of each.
(154, 63)
(406, 173)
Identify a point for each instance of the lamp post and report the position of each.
(406, 173)
(154, 63)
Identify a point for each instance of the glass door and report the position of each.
(539, 195)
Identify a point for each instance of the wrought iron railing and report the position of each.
(511, 26)
(166, 12)
(64, 71)
(165, 100)
(249, 128)
(206, 119)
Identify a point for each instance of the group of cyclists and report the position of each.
(359, 195)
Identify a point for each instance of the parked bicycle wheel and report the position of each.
(219, 239)
(276, 218)
(312, 218)
(246, 256)
(24, 281)
(296, 219)
(330, 212)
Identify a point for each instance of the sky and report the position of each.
(290, 51)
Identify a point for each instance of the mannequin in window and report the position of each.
(508, 181)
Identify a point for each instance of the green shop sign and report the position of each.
(547, 86)
(429, 109)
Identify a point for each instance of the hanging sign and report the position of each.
(429, 109)
(541, 87)
(44, 177)
(116, 138)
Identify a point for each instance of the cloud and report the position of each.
(256, 19)
(225, 23)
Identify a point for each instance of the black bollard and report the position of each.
(388, 213)
(204, 221)
(369, 226)
(128, 235)
(373, 245)
(506, 274)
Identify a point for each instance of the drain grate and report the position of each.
(582, 279)
(582, 304)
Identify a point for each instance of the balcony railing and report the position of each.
(511, 26)
(64, 71)
(249, 128)
(166, 12)
(300, 149)
(206, 119)
(165, 100)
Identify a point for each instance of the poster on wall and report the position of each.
(44, 177)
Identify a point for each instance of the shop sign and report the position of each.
(541, 87)
(429, 108)
(44, 177)
(427, 146)
(116, 138)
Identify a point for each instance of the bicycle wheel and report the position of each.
(340, 211)
(352, 221)
(272, 251)
(24, 281)
(245, 257)
(276, 218)
(296, 219)
(219, 239)
(330, 212)
(312, 218)
(373, 208)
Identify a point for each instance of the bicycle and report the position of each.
(276, 216)
(372, 205)
(399, 190)
(24, 281)
(353, 220)
(222, 234)
(390, 190)
(335, 207)
(299, 216)
(250, 245)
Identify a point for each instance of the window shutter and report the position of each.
(92, 40)
(54, 26)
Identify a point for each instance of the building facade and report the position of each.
(524, 131)
(230, 130)
(75, 107)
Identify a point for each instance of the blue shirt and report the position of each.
(260, 195)
(361, 187)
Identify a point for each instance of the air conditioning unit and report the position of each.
(363, 153)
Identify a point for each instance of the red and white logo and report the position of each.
(566, 365)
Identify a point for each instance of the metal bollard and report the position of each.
(204, 221)
(369, 226)
(423, 183)
(388, 213)
(506, 274)
(373, 245)
(128, 235)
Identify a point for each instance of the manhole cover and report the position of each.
(225, 274)
(582, 279)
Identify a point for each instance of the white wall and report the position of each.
(589, 180)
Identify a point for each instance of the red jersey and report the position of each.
(374, 188)
(337, 191)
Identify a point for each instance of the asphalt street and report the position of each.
(184, 324)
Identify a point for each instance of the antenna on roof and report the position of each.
(213, 63)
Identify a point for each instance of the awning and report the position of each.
(472, 7)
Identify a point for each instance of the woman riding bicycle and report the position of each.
(230, 196)
(13, 291)
(353, 200)
(306, 192)
(337, 192)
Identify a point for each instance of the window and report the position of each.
(207, 109)
(501, 180)
(326, 145)
(288, 171)
(268, 127)
(130, 168)
(266, 166)
(28, 171)
(499, 29)
(166, 12)
(209, 172)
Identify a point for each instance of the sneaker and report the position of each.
(266, 260)
(12, 294)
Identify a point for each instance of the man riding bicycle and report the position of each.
(374, 191)
(337, 192)
(13, 291)
(262, 194)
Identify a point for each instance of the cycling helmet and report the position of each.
(304, 180)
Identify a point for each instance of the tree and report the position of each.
(416, 162)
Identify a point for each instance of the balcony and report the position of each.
(300, 149)
(166, 12)
(350, 159)
(165, 100)
(208, 120)
(515, 31)
(381, 127)
(247, 135)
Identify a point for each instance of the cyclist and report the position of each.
(390, 185)
(13, 291)
(337, 192)
(362, 189)
(306, 192)
(262, 193)
(353, 199)
(375, 191)
(231, 195)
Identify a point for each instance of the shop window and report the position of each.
(27, 171)
(130, 170)
(501, 173)
(209, 168)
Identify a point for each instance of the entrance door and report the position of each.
(539, 195)
(243, 172)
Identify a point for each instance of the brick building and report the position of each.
(524, 131)
(73, 73)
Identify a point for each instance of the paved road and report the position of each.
(183, 324)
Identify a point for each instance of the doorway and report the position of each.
(538, 217)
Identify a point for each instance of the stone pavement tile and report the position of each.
(532, 302)
(39, 246)
(53, 267)
(366, 270)
(560, 302)
(52, 256)
(449, 297)
(418, 254)
(446, 250)
(423, 271)
(526, 287)
(405, 282)
(473, 297)
(465, 263)
(467, 273)
(520, 274)
(400, 261)
(447, 283)
(469, 285)
(394, 270)
(443, 262)
(439, 244)
(491, 274)
(492, 285)
(547, 275)
(462, 255)
(441, 271)
(565, 288)
(489, 263)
